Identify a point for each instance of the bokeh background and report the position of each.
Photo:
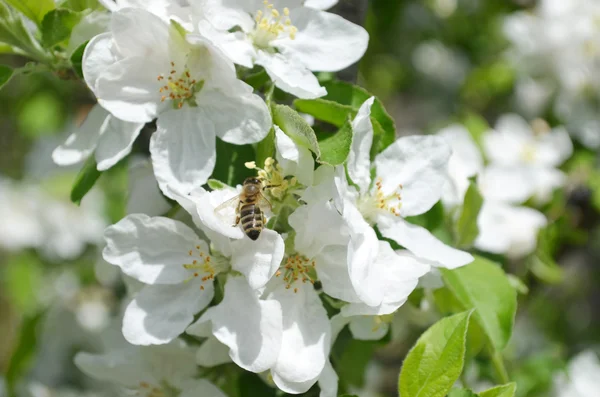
(433, 63)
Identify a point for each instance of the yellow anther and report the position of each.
(250, 165)
(275, 13)
(286, 12)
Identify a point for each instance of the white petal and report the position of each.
(510, 184)
(183, 150)
(121, 366)
(222, 221)
(200, 387)
(160, 313)
(323, 188)
(418, 164)
(332, 268)
(252, 328)
(465, 153)
(328, 381)
(505, 145)
(144, 195)
(82, 142)
(116, 142)
(325, 42)
(368, 328)
(320, 5)
(422, 243)
(137, 32)
(152, 250)
(290, 76)
(212, 353)
(97, 56)
(235, 45)
(224, 15)
(306, 338)
(313, 224)
(258, 260)
(237, 116)
(554, 147)
(294, 159)
(359, 158)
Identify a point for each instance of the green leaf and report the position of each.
(6, 73)
(296, 127)
(507, 390)
(57, 26)
(342, 101)
(76, 59)
(461, 393)
(265, 148)
(466, 229)
(336, 148)
(33, 9)
(437, 359)
(251, 385)
(477, 127)
(215, 184)
(483, 285)
(229, 167)
(87, 177)
(23, 353)
(542, 263)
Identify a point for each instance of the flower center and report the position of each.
(377, 202)
(146, 389)
(273, 177)
(297, 270)
(179, 86)
(270, 24)
(202, 266)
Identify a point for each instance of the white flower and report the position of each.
(525, 155)
(148, 371)
(508, 229)
(288, 39)
(582, 378)
(102, 134)
(465, 162)
(144, 69)
(409, 179)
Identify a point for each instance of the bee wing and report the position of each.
(226, 210)
(263, 203)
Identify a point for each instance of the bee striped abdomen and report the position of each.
(252, 220)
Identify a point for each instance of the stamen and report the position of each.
(270, 25)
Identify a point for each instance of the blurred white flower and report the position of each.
(582, 378)
(144, 69)
(288, 39)
(144, 195)
(440, 63)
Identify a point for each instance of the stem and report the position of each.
(498, 363)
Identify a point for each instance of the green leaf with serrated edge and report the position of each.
(461, 393)
(436, 361)
(23, 353)
(336, 148)
(6, 73)
(466, 229)
(35, 10)
(296, 127)
(484, 286)
(215, 184)
(57, 26)
(77, 58)
(507, 390)
(265, 148)
(87, 177)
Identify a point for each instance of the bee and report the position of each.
(250, 207)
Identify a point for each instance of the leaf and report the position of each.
(6, 72)
(215, 184)
(507, 390)
(342, 101)
(483, 285)
(229, 167)
(336, 148)
(77, 58)
(33, 9)
(437, 359)
(296, 127)
(251, 385)
(57, 26)
(477, 127)
(542, 263)
(87, 177)
(461, 393)
(23, 353)
(466, 229)
(265, 148)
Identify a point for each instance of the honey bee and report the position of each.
(250, 207)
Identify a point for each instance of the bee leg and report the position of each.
(237, 220)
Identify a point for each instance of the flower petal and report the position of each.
(554, 147)
(422, 243)
(328, 381)
(250, 327)
(290, 76)
(416, 164)
(294, 159)
(97, 56)
(137, 32)
(332, 269)
(116, 142)
(359, 158)
(509, 184)
(183, 150)
(325, 42)
(506, 143)
(160, 313)
(144, 195)
(368, 328)
(258, 260)
(238, 116)
(221, 221)
(306, 337)
(152, 250)
(320, 5)
(235, 45)
(121, 366)
(83, 141)
(212, 353)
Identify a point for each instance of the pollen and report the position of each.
(201, 265)
(379, 201)
(179, 87)
(297, 268)
(272, 24)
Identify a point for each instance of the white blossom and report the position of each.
(582, 377)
